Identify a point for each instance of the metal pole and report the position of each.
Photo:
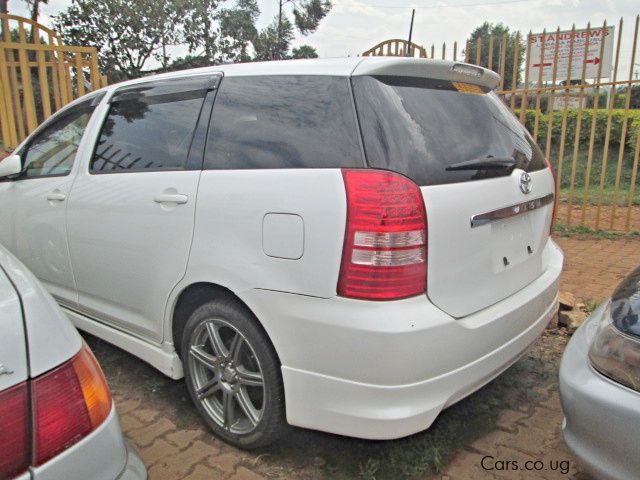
(409, 52)
(279, 25)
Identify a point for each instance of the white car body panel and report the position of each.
(34, 229)
(385, 370)
(129, 239)
(161, 355)
(42, 318)
(467, 275)
(13, 352)
(235, 258)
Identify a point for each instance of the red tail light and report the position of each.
(15, 430)
(385, 246)
(67, 404)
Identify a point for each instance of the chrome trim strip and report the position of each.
(510, 211)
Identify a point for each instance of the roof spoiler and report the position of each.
(427, 68)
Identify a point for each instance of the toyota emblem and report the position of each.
(525, 183)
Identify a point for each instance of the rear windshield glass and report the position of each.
(419, 127)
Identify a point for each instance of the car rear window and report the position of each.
(419, 127)
(283, 121)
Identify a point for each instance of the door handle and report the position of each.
(56, 197)
(171, 198)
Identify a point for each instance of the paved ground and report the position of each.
(594, 266)
(156, 414)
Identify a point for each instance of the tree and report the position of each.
(238, 31)
(498, 30)
(35, 8)
(304, 51)
(273, 42)
(200, 29)
(126, 34)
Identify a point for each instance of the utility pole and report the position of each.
(409, 49)
(279, 23)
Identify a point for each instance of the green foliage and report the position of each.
(273, 43)
(304, 51)
(127, 34)
(634, 98)
(562, 229)
(188, 61)
(498, 30)
(308, 14)
(238, 31)
(617, 125)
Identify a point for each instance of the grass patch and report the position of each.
(562, 229)
(594, 177)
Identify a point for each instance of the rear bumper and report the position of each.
(134, 468)
(601, 416)
(383, 370)
(102, 455)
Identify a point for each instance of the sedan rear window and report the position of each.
(419, 127)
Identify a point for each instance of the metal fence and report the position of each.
(581, 106)
(39, 75)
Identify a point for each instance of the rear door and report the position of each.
(130, 215)
(487, 225)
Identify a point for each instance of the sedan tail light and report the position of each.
(15, 432)
(385, 247)
(67, 403)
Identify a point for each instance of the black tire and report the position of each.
(238, 380)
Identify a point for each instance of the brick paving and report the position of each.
(594, 266)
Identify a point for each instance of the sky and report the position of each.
(354, 26)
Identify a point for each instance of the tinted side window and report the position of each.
(145, 132)
(53, 150)
(283, 122)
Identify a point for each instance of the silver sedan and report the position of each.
(600, 386)
(57, 418)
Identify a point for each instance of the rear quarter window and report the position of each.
(419, 127)
(283, 121)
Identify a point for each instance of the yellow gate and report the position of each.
(580, 113)
(39, 75)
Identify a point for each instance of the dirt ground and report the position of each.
(516, 417)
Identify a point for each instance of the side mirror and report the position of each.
(11, 165)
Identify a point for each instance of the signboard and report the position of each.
(566, 100)
(563, 44)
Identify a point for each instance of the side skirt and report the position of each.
(162, 357)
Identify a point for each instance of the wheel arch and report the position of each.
(194, 295)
